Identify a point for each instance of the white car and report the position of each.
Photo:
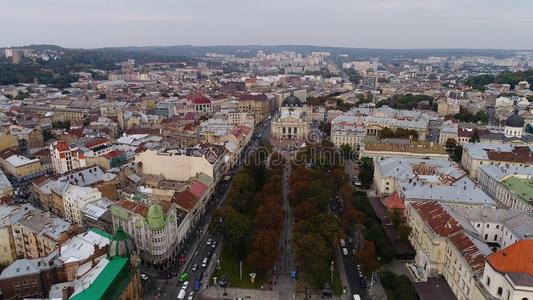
(144, 276)
(204, 263)
(191, 296)
(209, 241)
(185, 285)
(345, 251)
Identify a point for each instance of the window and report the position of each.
(488, 281)
(478, 225)
(488, 225)
(495, 237)
(500, 291)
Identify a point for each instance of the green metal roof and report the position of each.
(110, 282)
(101, 232)
(522, 187)
(156, 217)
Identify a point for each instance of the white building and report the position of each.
(508, 273)
(75, 198)
(65, 158)
(476, 155)
(157, 229)
(427, 180)
(181, 165)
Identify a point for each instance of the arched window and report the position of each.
(524, 298)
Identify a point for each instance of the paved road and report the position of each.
(284, 285)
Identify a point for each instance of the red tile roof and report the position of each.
(394, 201)
(135, 207)
(113, 154)
(239, 131)
(61, 146)
(95, 142)
(471, 253)
(437, 218)
(517, 258)
(199, 100)
(197, 188)
(519, 154)
(185, 200)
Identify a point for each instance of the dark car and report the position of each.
(362, 282)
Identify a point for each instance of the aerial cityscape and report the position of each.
(168, 152)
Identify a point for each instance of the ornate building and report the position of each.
(292, 122)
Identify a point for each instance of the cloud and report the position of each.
(358, 23)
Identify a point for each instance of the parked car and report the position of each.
(345, 251)
(194, 267)
(209, 241)
(185, 285)
(204, 263)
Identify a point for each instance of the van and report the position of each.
(181, 295)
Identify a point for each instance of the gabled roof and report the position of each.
(433, 214)
(394, 201)
(474, 256)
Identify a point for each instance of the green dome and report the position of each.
(156, 217)
(121, 244)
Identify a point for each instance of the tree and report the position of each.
(457, 154)
(347, 151)
(475, 137)
(242, 192)
(367, 257)
(366, 171)
(395, 216)
(451, 143)
(404, 231)
(265, 250)
(236, 232)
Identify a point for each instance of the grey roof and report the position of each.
(443, 181)
(515, 121)
(479, 150)
(24, 267)
(521, 279)
(498, 172)
(516, 221)
(40, 222)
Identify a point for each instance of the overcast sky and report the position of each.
(354, 23)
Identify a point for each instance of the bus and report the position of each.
(183, 277)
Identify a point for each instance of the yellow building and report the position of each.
(7, 140)
(18, 166)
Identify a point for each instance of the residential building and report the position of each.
(477, 154)
(389, 148)
(65, 158)
(157, 229)
(427, 180)
(508, 273)
(183, 164)
(75, 198)
(512, 187)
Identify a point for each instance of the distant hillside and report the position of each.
(195, 51)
